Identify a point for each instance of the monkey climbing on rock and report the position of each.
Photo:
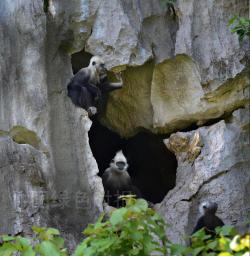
(90, 84)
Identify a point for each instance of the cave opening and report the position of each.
(80, 60)
(152, 166)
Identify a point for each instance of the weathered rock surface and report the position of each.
(47, 171)
(186, 89)
(172, 97)
(179, 99)
(220, 172)
(177, 72)
(145, 29)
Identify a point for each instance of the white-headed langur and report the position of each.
(90, 84)
(209, 221)
(117, 181)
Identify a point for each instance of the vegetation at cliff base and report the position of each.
(134, 230)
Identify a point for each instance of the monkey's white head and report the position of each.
(119, 162)
(208, 207)
(98, 65)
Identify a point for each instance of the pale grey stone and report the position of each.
(58, 186)
(220, 173)
(35, 68)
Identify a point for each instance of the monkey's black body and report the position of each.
(85, 94)
(209, 222)
(116, 185)
(82, 93)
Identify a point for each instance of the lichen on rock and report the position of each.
(22, 135)
(187, 146)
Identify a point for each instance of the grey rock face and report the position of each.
(52, 179)
(219, 173)
(59, 187)
(144, 29)
(194, 57)
(23, 187)
(204, 35)
(169, 96)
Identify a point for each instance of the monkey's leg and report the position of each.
(87, 102)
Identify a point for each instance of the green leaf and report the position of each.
(29, 252)
(212, 245)
(38, 230)
(117, 216)
(177, 249)
(7, 250)
(24, 242)
(103, 244)
(79, 249)
(58, 242)
(47, 248)
(52, 231)
(137, 236)
(226, 231)
(7, 238)
(241, 26)
(197, 250)
(142, 204)
(232, 20)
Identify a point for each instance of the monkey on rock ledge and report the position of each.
(89, 85)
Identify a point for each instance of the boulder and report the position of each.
(219, 172)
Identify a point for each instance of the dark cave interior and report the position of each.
(152, 166)
(80, 60)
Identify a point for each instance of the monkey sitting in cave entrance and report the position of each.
(117, 181)
(209, 221)
(90, 84)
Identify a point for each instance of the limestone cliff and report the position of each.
(178, 71)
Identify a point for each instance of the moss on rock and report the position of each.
(3, 133)
(22, 135)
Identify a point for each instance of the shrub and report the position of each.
(47, 242)
(240, 26)
(132, 230)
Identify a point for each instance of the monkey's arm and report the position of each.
(105, 177)
(219, 222)
(117, 85)
(199, 225)
(106, 86)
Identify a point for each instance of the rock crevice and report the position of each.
(177, 72)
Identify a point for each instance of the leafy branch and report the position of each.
(134, 230)
(240, 26)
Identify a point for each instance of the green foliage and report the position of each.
(47, 242)
(225, 243)
(240, 26)
(130, 231)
